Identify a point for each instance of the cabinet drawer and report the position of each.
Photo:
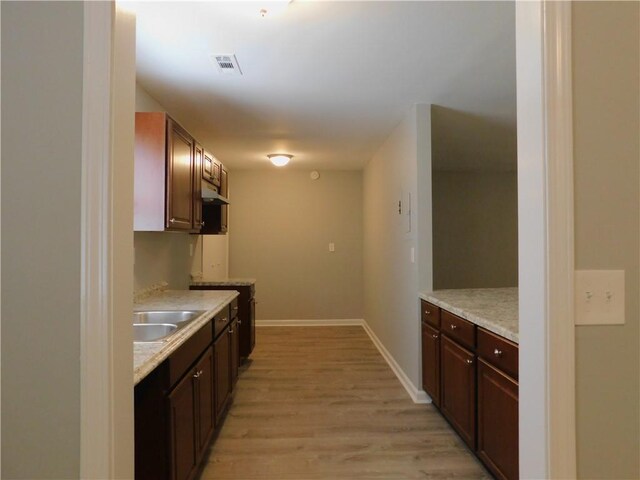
(188, 353)
(458, 329)
(220, 321)
(498, 351)
(430, 313)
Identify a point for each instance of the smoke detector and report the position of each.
(227, 64)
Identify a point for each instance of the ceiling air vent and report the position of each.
(227, 64)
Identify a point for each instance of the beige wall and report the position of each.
(606, 135)
(161, 256)
(42, 47)
(280, 227)
(400, 167)
(475, 229)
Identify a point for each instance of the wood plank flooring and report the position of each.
(321, 403)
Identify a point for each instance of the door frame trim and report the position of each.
(96, 376)
(546, 240)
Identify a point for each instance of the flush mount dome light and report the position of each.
(279, 159)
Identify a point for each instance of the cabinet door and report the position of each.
(197, 187)
(222, 352)
(497, 421)
(205, 409)
(180, 148)
(431, 362)
(458, 394)
(234, 333)
(248, 328)
(182, 429)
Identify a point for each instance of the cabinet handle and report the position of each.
(497, 353)
(453, 327)
(172, 220)
(469, 362)
(223, 320)
(239, 322)
(427, 312)
(230, 331)
(202, 224)
(197, 374)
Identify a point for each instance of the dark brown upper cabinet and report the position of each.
(211, 169)
(166, 161)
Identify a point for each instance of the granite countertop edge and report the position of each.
(480, 320)
(154, 353)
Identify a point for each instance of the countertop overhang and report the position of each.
(495, 309)
(147, 356)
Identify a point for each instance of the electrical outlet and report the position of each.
(599, 297)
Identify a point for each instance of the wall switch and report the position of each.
(599, 297)
(332, 247)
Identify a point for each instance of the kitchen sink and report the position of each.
(152, 332)
(166, 316)
(158, 325)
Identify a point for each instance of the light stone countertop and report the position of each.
(495, 309)
(240, 282)
(147, 356)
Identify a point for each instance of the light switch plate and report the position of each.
(599, 297)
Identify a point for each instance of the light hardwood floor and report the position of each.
(321, 403)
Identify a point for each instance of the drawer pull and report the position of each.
(453, 327)
(469, 362)
(434, 336)
(497, 353)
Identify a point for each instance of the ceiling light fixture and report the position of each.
(279, 159)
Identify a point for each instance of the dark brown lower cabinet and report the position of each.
(191, 418)
(246, 312)
(497, 421)
(182, 418)
(205, 406)
(458, 384)
(222, 385)
(431, 362)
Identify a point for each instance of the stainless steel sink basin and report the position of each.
(154, 332)
(158, 325)
(166, 316)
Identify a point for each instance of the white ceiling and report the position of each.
(324, 81)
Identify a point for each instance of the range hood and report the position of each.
(210, 195)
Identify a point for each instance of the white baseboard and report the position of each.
(331, 322)
(416, 394)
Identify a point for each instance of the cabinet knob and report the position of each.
(469, 362)
(453, 327)
(497, 353)
(427, 312)
(224, 320)
(197, 374)
(434, 336)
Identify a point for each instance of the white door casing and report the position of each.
(545, 243)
